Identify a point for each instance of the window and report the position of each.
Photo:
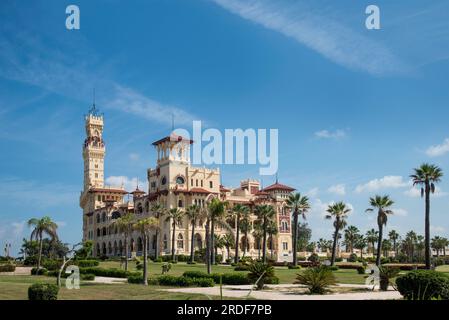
(103, 217)
(96, 175)
(201, 183)
(211, 184)
(98, 218)
(285, 245)
(165, 242)
(153, 185)
(191, 182)
(284, 226)
(180, 204)
(180, 242)
(163, 180)
(180, 180)
(196, 182)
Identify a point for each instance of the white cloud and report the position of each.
(129, 184)
(415, 192)
(400, 212)
(387, 182)
(320, 32)
(338, 189)
(312, 192)
(319, 207)
(325, 134)
(436, 229)
(134, 156)
(439, 149)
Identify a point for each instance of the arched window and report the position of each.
(103, 251)
(198, 242)
(104, 231)
(98, 250)
(180, 242)
(180, 180)
(109, 248)
(98, 232)
(98, 218)
(284, 226)
(103, 217)
(139, 208)
(147, 206)
(115, 215)
(165, 242)
(180, 203)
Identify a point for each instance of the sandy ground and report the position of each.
(291, 292)
(20, 271)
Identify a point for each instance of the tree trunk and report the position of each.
(264, 243)
(126, 252)
(40, 254)
(229, 251)
(245, 244)
(212, 241)
(173, 242)
(237, 236)
(334, 246)
(208, 264)
(379, 245)
(145, 259)
(427, 225)
(192, 244)
(295, 238)
(156, 247)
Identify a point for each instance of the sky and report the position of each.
(356, 109)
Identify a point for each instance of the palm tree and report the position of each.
(193, 213)
(159, 211)
(438, 243)
(338, 211)
(42, 226)
(264, 213)
(382, 204)
(386, 247)
(324, 245)
(237, 212)
(445, 244)
(228, 242)
(174, 215)
(409, 244)
(258, 235)
(245, 228)
(372, 236)
(360, 243)
(351, 234)
(218, 243)
(298, 205)
(426, 176)
(272, 230)
(217, 209)
(145, 226)
(125, 226)
(394, 236)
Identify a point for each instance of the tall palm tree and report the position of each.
(393, 235)
(386, 247)
(228, 242)
(426, 176)
(324, 245)
(436, 244)
(272, 230)
(144, 227)
(42, 226)
(158, 211)
(258, 235)
(351, 234)
(218, 243)
(409, 244)
(372, 236)
(299, 205)
(338, 211)
(174, 215)
(264, 213)
(237, 212)
(125, 226)
(217, 210)
(382, 204)
(193, 213)
(360, 243)
(245, 228)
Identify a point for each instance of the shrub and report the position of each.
(102, 272)
(7, 267)
(406, 266)
(241, 267)
(39, 272)
(317, 279)
(353, 258)
(30, 261)
(386, 274)
(291, 266)
(438, 262)
(87, 277)
(338, 259)
(348, 266)
(233, 279)
(196, 274)
(313, 258)
(259, 272)
(87, 263)
(135, 279)
(52, 264)
(104, 257)
(159, 260)
(166, 267)
(423, 285)
(182, 281)
(301, 258)
(334, 268)
(361, 270)
(203, 282)
(43, 291)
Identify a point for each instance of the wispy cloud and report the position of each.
(129, 184)
(28, 60)
(338, 189)
(439, 149)
(319, 32)
(415, 192)
(325, 134)
(387, 182)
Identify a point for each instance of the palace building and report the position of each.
(173, 182)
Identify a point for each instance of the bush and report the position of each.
(259, 272)
(203, 282)
(7, 267)
(102, 272)
(406, 266)
(334, 268)
(291, 266)
(317, 279)
(52, 264)
(314, 258)
(87, 263)
(39, 272)
(182, 281)
(135, 279)
(87, 277)
(361, 270)
(423, 285)
(30, 261)
(386, 274)
(301, 258)
(353, 258)
(104, 257)
(226, 278)
(438, 262)
(196, 274)
(159, 260)
(338, 259)
(43, 291)
(348, 266)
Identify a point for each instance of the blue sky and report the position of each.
(356, 109)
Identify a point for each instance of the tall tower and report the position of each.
(93, 150)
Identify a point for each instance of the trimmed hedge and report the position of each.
(182, 281)
(405, 266)
(87, 263)
(52, 264)
(43, 291)
(7, 267)
(361, 270)
(39, 272)
(226, 278)
(423, 285)
(113, 272)
(353, 266)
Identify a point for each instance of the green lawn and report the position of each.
(285, 275)
(16, 288)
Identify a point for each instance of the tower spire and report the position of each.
(93, 110)
(276, 177)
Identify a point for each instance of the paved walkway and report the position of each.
(292, 292)
(109, 280)
(20, 271)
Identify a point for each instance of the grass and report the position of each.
(16, 288)
(285, 275)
